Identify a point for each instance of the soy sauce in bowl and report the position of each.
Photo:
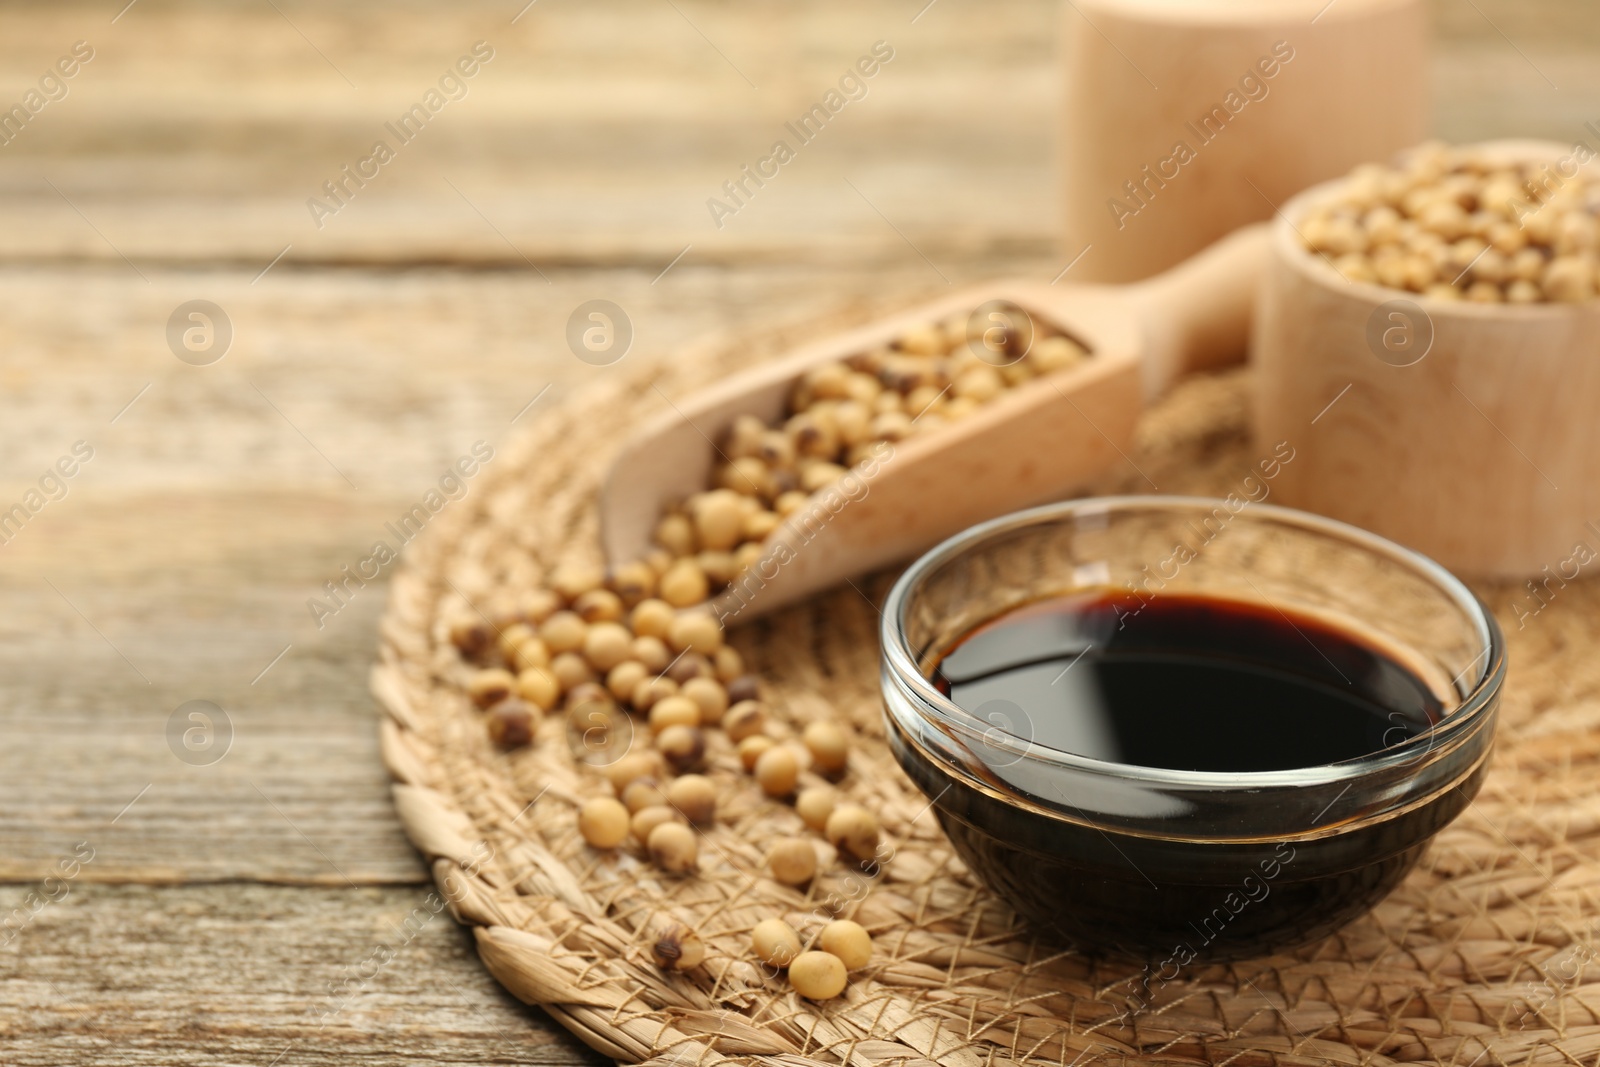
(1233, 760)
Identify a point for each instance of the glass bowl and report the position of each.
(1171, 865)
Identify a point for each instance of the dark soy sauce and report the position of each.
(1187, 682)
(1179, 682)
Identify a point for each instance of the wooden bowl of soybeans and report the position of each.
(1427, 339)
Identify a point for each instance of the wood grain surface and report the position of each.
(224, 903)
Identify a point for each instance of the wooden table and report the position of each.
(254, 909)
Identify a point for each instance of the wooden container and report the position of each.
(1473, 437)
(1348, 83)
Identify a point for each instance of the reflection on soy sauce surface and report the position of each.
(1188, 682)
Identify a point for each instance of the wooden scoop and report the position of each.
(1035, 443)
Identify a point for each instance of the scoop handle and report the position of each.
(1196, 316)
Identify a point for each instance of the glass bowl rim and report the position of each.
(1474, 705)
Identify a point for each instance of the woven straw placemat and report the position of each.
(1485, 955)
